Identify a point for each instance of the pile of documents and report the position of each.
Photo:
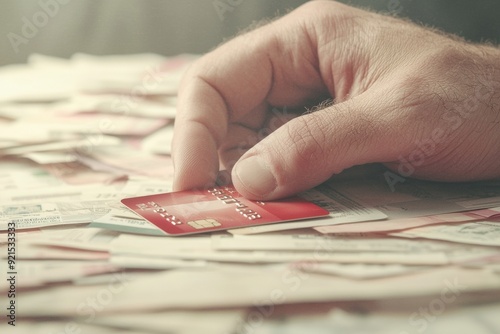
(79, 135)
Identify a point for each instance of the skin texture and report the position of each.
(425, 104)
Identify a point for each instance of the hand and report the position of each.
(424, 104)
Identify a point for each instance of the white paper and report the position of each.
(477, 233)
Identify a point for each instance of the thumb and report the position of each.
(307, 150)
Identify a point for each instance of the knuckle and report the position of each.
(308, 140)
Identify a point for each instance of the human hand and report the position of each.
(424, 104)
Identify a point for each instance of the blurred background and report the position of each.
(170, 27)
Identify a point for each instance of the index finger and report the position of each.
(222, 86)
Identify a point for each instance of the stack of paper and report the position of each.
(77, 136)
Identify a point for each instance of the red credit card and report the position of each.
(215, 209)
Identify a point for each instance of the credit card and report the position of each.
(215, 209)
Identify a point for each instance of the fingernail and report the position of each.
(255, 176)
